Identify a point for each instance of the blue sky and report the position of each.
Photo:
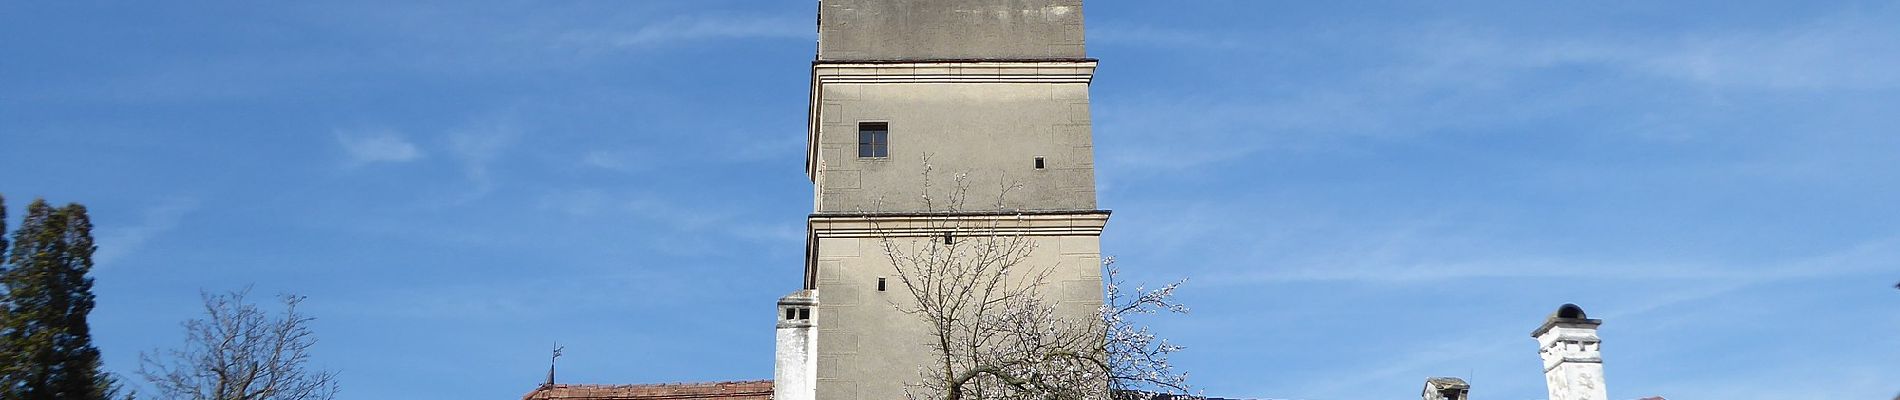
(1361, 194)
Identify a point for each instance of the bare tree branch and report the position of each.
(241, 352)
(992, 333)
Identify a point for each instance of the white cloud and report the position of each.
(699, 28)
(1848, 52)
(1114, 33)
(478, 147)
(625, 161)
(686, 29)
(117, 241)
(1415, 256)
(689, 227)
(377, 146)
(1451, 77)
(576, 203)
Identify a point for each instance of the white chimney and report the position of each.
(795, 372)
(1573, 357)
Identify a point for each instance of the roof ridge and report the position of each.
(735, 390)
(659, 384)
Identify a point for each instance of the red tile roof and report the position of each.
(747, 390)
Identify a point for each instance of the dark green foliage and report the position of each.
(3, 235)
(46, 349)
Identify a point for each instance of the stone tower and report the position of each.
(1572, 353)
(995, 91)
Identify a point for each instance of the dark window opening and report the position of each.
(949, 238)
(791, 313)
(874, 140)
(880, 284)
(1038, 162)
(804, 313)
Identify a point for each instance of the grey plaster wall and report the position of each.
(990, 132)
(869, 349)
(941, 29)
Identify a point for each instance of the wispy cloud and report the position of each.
(1843, 51)
(118, 241)
(1496, 349)
(1417, 257)
(699, 28)
(1853, 51)
(688, 227)
(523, 296)
(1438, 76)
(374, 146)
(1117, 34)
(478, 146)
(576, 203)
(622, 161)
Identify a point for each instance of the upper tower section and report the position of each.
(951, 106)
(913, 30)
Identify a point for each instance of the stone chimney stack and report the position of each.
(1446, 388)
(1572, 353)
(795, 371)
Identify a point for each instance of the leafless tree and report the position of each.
(240, 352)
(994, 335)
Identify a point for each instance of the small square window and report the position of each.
(880, 284)
(1039, 164)
(804, 313)
(874, 140)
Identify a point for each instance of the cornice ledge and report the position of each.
(869, 225)
(1009, 71)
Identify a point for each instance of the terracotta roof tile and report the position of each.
(746, 390)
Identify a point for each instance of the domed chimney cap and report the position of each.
(1569, 315)
(1569, 311)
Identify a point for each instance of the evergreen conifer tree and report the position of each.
(3, 239)
(6, 347)
(46, 342)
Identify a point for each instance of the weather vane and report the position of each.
(551, 360)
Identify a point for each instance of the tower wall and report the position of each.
(987, 121)
(949, 29)
(869, 347)
(996, 93)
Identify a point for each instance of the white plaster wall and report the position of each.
(1573, 366)
(795, 366)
